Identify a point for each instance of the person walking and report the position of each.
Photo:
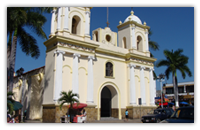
(126, 115)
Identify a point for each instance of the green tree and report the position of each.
(17, 19)
(10, 101)
(70, 98)
(152, 44)
(174, 61)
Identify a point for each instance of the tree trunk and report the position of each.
(12, 62)
(8, 57)
(175, 90)
(8, 63)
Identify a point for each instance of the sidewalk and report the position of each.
(103, 120)
(33, 121)
(115, 120)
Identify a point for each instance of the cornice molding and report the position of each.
(72, 46)
(132, 22)
(63, 39)
(110, 52)
(140, 58)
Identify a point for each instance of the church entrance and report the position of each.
(105, 102)
(109, 103)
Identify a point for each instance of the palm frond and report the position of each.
(35, 22)
(28, 43)
(153, 45)
(162, 63)
(154, 75)
(68, 97)
(167, 72)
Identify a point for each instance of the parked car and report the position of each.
(181, 115)
(157, 115)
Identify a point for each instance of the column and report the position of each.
(151, 86)
(132, 85)
(59, 18)
(184, 89)
(90, 84)
(154, 84)
(66, 18)
(142, 85)
(133, 38)
(58, 75)
(147, 40)
(87, 23)
(52, 21)
(75, 73)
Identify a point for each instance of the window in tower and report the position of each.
(139, 43)
(75, 25)
(108, 38)
(124, 43)
(96, 36)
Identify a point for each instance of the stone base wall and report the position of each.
(123, 112)
(91, 113)
(60, 113)
(114, 112)
(48, 114)
(137, 111)
(52, 113)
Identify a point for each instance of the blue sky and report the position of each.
(172, 27)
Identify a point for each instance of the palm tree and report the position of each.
(17, 18)
(10, 102)
(175, 61)
(68, 97)
(152, 44)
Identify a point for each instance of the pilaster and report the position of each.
(132, 85)
(133, 38)
(142, 85)
(90, 80)
(75, 73)
(58, 76)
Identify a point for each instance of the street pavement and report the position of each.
(103, 120)
(115, 120)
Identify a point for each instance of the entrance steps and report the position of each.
(108, 118)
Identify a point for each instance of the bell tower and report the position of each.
(71, 22)
(106, 35)
(133, 35)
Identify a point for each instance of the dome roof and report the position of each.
(133, 18)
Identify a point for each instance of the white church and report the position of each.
(109, 70)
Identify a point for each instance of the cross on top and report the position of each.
(107, 23)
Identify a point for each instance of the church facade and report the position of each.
(110, 71)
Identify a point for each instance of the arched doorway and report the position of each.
(115, 100)
(109, 102)
(105, 102)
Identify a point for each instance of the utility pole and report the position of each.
(161, 78)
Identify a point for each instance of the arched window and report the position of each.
(109, 69)
(96, 36)
(139, 43)
(124, 42)
(76, 25)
